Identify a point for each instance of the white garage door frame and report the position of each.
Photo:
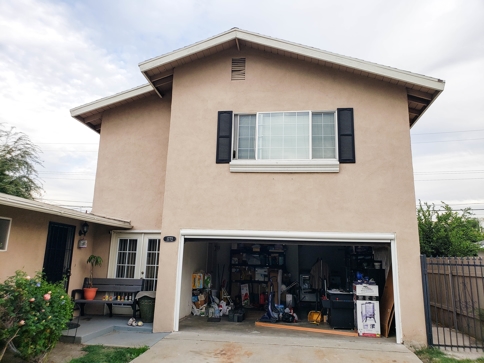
(315, 237)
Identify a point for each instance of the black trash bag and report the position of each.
(287, 318)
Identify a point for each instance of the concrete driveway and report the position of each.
(263, 347)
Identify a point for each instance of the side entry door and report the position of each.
(58, 252)
(135, 255)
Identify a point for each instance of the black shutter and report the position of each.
(346, 136)
(224, 137)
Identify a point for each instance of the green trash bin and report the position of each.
(146, 308)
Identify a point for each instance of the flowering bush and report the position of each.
(33, 314)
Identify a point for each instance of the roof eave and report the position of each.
(76, 112)
(357, 64)
(32, 205)
(188, 50)
(427, 107)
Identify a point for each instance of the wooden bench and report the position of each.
(111, 286)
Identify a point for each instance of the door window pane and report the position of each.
(152, 260)
(126, 264)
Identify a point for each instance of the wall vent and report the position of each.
(238, 69)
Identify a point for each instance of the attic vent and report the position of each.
(238, 69)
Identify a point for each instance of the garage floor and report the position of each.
(198, 323)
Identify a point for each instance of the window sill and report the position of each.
(284, 166)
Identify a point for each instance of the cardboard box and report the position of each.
(261, 274)
(253, 259)
(197, 281)
(365, 290)
(246, 273)
(236, 273)
(368, 318)
(287, 299)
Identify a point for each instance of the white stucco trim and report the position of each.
(148, 231)
(179, 269)
(396, 291)
(292, 236)
(287, 166)
(289, 235)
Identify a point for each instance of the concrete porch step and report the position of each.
(111, 332)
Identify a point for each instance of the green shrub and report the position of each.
(33, 314)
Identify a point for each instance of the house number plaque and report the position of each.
(169, 238)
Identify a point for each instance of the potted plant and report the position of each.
(90, 292)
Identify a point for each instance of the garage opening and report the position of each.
(338, 286)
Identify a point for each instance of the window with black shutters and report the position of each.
(286, 141)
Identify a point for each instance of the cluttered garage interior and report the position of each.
(343, 288)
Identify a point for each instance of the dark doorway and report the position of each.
(58, 252)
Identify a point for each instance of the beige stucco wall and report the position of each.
(376, 194)
(131, 163)
(28, 238)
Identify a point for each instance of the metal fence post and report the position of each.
(425, 285)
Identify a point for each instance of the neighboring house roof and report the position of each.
(27, 204)
(421, 90)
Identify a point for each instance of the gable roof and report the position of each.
(421, 90)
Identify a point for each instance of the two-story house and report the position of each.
(243, 140)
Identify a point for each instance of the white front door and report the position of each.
(135, 255)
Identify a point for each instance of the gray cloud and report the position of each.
(56, 55)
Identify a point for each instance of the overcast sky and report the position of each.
(56, 55)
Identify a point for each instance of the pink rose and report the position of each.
(47, 297)
(21, 322)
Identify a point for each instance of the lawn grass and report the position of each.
(102, 354)
(435, 355)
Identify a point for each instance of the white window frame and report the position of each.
(283, 165)
(7, 237)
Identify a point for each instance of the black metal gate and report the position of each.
(453, 290)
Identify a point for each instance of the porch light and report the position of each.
(84, 228)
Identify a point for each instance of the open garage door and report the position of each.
(299, 272)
